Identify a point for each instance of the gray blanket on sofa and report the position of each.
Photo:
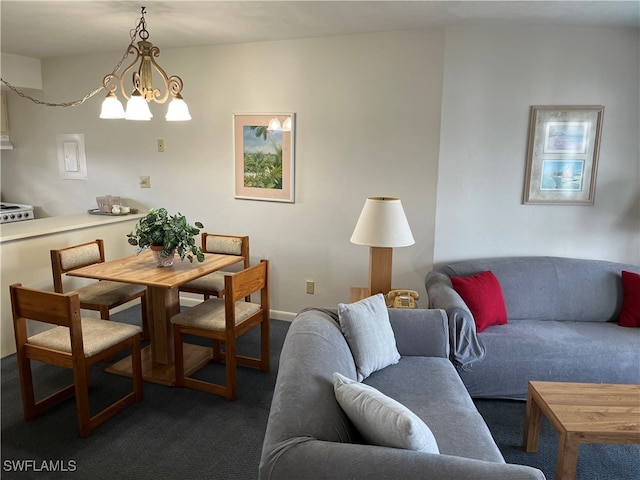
(466, 348)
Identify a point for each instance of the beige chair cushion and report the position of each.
(97, 336)
(80, 256)
(209, 315)
(108, 293)
(213, 282)
(225, 245)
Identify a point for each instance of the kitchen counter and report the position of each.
(45, 226)
(25, 257)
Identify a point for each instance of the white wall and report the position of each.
(380, 114)
(368, 113)
(491, 78)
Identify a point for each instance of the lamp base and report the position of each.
(380, 260)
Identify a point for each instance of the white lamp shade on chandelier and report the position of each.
(382, 223)
(178, 110)
(137, 108)
(112, 107)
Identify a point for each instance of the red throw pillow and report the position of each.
(483, 295)
(630, 315)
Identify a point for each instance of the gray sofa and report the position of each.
(562, 315)
(308, 435)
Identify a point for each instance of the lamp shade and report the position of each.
(382, 223)
(137, 108)
(112, 107)
(178, 110)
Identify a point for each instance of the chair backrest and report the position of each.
(226, 244)
(49, 307)
(242, 284)
(66, 259)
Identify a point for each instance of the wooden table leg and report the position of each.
(158, 357)
(567, 457)
(532, 423)
(162, 304)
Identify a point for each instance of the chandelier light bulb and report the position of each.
(178, 110)
(286, 125)
(137, 108)
(112, 107)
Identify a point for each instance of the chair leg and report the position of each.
(26, 385)
(81, 382)
(179, 356)
(104, 312)
(230, 359)
(217, 352)
(104, 315)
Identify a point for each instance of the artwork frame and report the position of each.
(256, 145)
(562, 154)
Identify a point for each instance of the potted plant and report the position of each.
(166, 234)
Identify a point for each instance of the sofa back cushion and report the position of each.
(304, 400)
(553, 288)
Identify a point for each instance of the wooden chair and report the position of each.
(76, 343)
(224, 320)
(213, 283)
(103, 295)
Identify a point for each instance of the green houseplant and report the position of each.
(167, 234)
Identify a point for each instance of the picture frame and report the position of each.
(562, 154)
(264, 156)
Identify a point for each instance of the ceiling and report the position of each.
(44, 29)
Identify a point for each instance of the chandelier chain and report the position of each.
(137, 31)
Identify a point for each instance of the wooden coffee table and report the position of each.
(582, 413)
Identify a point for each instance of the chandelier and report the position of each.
(143, 90)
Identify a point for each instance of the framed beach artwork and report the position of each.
(264, 156)
(562, 156)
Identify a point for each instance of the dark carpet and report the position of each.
(173, 433)
(184, 434)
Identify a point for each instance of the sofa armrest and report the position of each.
(308, 459)
(465, 346)
(420, 331)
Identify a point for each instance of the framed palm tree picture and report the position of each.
(264, 156)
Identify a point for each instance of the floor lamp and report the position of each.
(382, 225)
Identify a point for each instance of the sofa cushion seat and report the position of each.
(440, 400)
(562, 325)
(552, 350)
(380, 419)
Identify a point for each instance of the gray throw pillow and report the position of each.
(382, 420)
(366, 326)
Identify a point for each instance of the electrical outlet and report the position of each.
(160, 145)
(145, 182)
(311, 285)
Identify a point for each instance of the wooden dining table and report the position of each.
(163, 302)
